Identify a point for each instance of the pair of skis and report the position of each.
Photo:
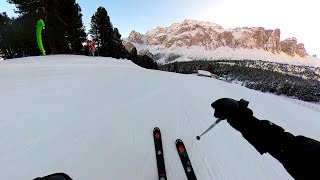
(182, 154)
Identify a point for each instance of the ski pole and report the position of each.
(213, 125)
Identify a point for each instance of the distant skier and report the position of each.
(298, 154)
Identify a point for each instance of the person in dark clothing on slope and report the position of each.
(298, 154)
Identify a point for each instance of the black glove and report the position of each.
(56, 176)
(226, 108)
(236, 112)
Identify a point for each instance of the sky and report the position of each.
(295, 18)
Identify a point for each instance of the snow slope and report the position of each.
(92, 118)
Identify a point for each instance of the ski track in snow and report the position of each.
(188, 118)
(73, 114)
(132, 136)
(208, 169)
(308, 105)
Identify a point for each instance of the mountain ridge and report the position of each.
(212, 41)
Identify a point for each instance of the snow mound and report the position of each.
(204, 73)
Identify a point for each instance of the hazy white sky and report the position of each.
(295, 18)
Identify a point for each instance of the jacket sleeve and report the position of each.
(298, 154)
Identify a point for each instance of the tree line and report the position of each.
(64, 32)
(258, 78)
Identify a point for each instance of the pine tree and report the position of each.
(55, 32)
(118, 50)
(102, 31)
(133, 56)
(147, 62)
(28, 7)
(17, 39)
(24, 38)
(5, 29)
(75, 31)
(47, 10)
(64, 32)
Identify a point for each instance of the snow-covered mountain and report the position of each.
(92, 118)
(198, 40)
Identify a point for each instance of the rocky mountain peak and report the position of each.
(210, 36)
(135, 37)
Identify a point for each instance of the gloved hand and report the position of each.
(56, 176)
(226, 108)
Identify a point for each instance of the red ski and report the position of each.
(159, 154)
(185, 160)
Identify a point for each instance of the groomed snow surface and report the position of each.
(92, 118)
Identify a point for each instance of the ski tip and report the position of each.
(178, 141)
